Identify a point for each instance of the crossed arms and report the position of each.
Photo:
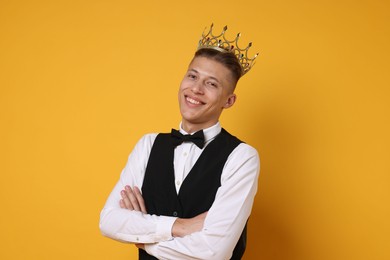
(211, 235)
(132, 200)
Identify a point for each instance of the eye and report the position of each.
(191, 76)
(212, 84)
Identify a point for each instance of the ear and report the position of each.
(230, 100)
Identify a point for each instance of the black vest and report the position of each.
(198, 189)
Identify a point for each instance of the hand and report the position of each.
(132, 199)
(186, 226)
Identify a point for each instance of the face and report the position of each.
(206, 89)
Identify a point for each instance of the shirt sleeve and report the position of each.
(227, 216)
(128, 225)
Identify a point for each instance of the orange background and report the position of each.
(82, 81)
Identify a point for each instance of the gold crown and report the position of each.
(220, 43)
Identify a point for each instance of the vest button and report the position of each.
(175, 214)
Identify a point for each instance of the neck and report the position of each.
(192, 128)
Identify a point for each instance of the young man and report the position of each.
(198, 184)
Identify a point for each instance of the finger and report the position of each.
(122, 204)
(126, 200)
(140, 199)
(132, 198)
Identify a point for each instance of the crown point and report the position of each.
(222, 44)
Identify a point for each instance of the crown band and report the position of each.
(220, 43)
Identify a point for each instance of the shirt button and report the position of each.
(178, 183)
(175, 214)
(185, 154)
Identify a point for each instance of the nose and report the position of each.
(197, 87)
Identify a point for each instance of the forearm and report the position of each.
(186, 226)
(135, 227)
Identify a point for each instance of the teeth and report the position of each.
(192, 101)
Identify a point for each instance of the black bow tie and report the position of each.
(197, 138)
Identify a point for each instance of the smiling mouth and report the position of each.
(193, 101)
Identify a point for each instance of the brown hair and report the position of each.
(228, 59)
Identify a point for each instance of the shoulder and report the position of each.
(145, 143)
(243, 156)
(242, 150)
(147, 138)
(245, 151)
(242, 164)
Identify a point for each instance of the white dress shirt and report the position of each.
(225, 219)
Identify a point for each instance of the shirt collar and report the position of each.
(209, 133)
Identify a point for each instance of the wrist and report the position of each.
(178, 228)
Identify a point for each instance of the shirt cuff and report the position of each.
(163, 232)
(164, 228)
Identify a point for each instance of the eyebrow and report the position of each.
(213, 78)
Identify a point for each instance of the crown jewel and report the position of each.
(220, 43)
